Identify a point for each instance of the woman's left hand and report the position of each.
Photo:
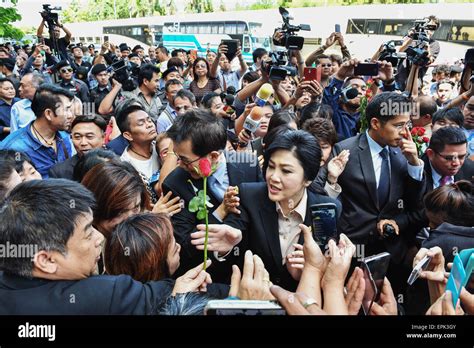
(167, 206)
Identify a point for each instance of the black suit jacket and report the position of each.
(244, 169)
(465, 173)
(96, 295)
(64, 170)
(258, 222)
(361, 212)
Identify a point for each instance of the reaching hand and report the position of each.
(444, 306)
(221, 238)
(255, 283)
(346, 69)
(435, 270)
(340, 257)
(355, 291)
(295, 262)
(193, 280)
(330, 40)
(408, 148)
(167, 206)
(296, 303)
(231, 200)
(387, 304)
(337, 165)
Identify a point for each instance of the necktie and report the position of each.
(444, 181)
(216, 188)
(383, 191)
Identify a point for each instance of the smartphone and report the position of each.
(421, 266)
(312, 74)
(467, 258)
(257, 146)
(337, 28)
(456, 279)
(193, 54)
(324, 223)
(106, 39)
(374, 267)
(232, 47)
(243, 307)
(366, 69)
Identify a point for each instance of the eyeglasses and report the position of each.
(66, 70)
(184, 107)
(452, 158)
(326, 65)
(185, 162)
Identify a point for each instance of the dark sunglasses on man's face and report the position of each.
(66, 70)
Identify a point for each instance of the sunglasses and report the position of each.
(66, 70)
(326, 65)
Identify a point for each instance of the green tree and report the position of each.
(8, 16)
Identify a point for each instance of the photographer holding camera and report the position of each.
(55, 42)
(421, 33)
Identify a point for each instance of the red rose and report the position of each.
(421, 131)
(205, 167)
(426, 139)
(414, 131)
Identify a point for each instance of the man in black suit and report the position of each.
(87, 133)
(198, 134)
(382, 179)
(49, 222)
(446, 161)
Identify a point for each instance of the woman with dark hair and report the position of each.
(23, 164)
(143, 247)
(90, 160)
(271, 211)
(202, 83)
(450, 210)
(7, 99)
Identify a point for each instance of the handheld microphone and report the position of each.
(252, 122)
(263, 94)
(349, 93)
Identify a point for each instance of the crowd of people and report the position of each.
(100, 163)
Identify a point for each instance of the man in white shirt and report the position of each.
(21, 113)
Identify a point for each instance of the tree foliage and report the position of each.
(9, 15)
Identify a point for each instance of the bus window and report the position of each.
(247, 47)
(462, 31)
(395, 27)
(355, 26)
(372, 27)
(241, 28)
(221, 29)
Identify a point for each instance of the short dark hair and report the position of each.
(391, 102)
(447, 136)
(146, 72)
(7, 167)
(206, 132)
(336, 58)
(176, 62)
(124, 110)
(90, 159)
(281, 117)
(17, 158)
(41, 213)
(303, 145)
(251, 76)
(162, 49)
(47, 97)
(258, 53)
(185, 94)
(443, 68)
(436, 20)
(206, 101)
(96, 119)
(172, 82)
(322, 56)
(427, 105)
(451, 114)
(5, 79)
(315, 110)
(323, 129)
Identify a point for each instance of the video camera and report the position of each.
(390, 54)
(290, 40)
(277, 68)
(50, 17)
(418, 55)
(122, 72)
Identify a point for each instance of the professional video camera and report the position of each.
(418, 54)
(50, 17)
(123, 72)
(290, 40)
(277, 66)
(390, 54)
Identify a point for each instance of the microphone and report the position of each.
(229, 101)
(263, 94)
(252, 122)
(349, 93)
(231, 90)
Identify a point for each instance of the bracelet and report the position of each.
(465, 97)
(343, 47)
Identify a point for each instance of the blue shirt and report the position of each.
(166, 119)
(21, 115)
(43, 157)
(344, 122)
(5, 110)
